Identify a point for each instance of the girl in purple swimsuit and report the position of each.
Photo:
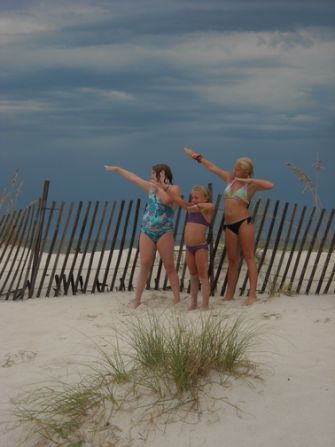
(199, 216)
(157, 227)
(239, 229)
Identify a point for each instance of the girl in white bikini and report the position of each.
(239, 229)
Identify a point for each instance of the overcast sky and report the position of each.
(85, 83)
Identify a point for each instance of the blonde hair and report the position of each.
(203, 190)
(247, 165)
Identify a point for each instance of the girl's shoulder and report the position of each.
(206, 207)
(175, 188)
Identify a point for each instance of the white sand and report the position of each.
(293, 405)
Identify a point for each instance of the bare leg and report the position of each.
(201, 258)
(147, 255)
(233, 252)
(190, 261)
(247, 239)
(165, 247)
(194, 292)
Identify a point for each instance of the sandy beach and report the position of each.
(290, 401)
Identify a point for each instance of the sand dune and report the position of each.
(289, 403)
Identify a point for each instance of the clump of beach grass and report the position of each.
(186, 352)
(9, 196)
(310, 185)
(161, 365)
(275, 288)
(56, 413)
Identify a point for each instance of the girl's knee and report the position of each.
(146, 264)
(203, 279)
(169, 268)
(250, 259)
(233, 261)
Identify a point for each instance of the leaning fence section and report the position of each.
(92, 247)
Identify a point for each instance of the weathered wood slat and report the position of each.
(114, 240)
(11, 232)
(331, 277)
(3, 220)
(222, 258)
(95, 244)
(133, 268)
(36, 250)
(325, 266)
(21, 249)
(130, 248)
(295, 268)
(52, 275)
(22, 280)
(268, 240)
(45, 238)
(31, 251)
(53, 242)
(292, 251)
(179, 263)
(284, 248)
(14, 243)
(311, 246)
(68, 249)
(323, 241)
(123, 238)
(212, 245)
(16, 248)
(6, 224)
(70, 280)
(63, 274)
(96, 282)
(274, 250)
(86, 247)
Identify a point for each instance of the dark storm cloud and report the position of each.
(82, 82)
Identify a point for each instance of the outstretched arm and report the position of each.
(144, 184)
(225, 175)
(256, 184)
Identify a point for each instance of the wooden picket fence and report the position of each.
(92, 247)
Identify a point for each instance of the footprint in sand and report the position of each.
(12, 359)
(103, 326)
(60, 362)
(325, 320)
(88, 317)
(271, 316)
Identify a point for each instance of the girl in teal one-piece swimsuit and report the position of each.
(158, 219)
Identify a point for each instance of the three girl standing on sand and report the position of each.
(157, 226)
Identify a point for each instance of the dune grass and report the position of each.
(162, 365)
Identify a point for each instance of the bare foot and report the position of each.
(204, 307)
(193, 306)
(176, 301)
(250, 300)
(228, 298)
(134, 304)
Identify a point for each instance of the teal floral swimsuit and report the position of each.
(158, 218)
